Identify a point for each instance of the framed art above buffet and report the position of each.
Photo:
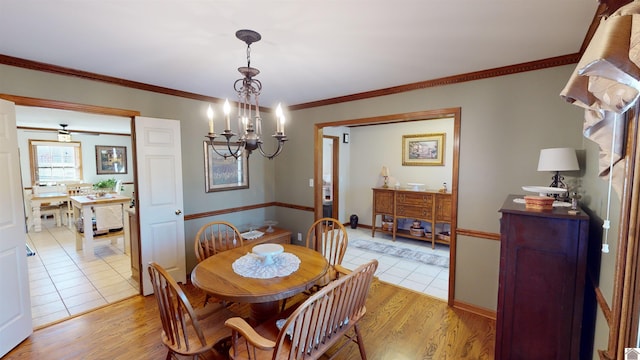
(423, 149)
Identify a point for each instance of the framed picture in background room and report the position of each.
(111, 159)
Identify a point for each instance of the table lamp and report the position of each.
(385, 174)
(556, 160)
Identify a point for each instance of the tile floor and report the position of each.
(63, 283)
(428, 279)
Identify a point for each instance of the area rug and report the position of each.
(397, 251)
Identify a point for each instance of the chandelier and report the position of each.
(248, 90)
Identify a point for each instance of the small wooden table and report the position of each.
(216, 276)
(38, 200)
(277, 236)
(84, 205)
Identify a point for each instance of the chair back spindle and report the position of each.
(176, 314)
(315, 326)
(214, 237)
(329, 237)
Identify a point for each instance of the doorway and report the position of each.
(330, 176)
(360, 193)
(62, 282)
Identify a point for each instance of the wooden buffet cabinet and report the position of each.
(277, 236)
(543, 263)
(429, 206)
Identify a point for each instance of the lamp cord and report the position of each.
(606, 224)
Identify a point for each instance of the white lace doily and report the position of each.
(251, 265)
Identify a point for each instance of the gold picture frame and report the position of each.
(423, 149)
(222, 174)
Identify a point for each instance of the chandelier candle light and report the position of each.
(248, 90)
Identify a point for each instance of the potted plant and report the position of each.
(104, 186)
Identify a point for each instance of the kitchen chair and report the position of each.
(185, 331)
(313, 327)
(75, 189)
(45, 210)
(214, 237)
(118, 188)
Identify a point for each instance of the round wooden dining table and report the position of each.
(216, 276)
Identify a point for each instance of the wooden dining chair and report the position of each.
(329, 237)
(184, 331)
(313, 327)
(215, 237)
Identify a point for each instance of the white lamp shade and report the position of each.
(384, 171)
(558, 159)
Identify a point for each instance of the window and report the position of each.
(53, 161)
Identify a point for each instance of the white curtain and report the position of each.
(606, 83)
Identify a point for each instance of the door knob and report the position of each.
(178, 212)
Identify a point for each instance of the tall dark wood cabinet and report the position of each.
(543, 258)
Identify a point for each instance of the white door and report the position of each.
(159, 207)
(15, 304)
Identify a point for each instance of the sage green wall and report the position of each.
(193, 126)
(505, 123)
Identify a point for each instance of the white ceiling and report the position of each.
(43, 118)
(310, 50)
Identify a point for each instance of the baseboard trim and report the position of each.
(491, 314)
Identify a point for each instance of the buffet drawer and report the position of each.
(415, 199)
(417, 212)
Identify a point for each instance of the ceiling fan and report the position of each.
(63, 134)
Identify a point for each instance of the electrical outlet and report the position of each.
(299, 236)
(310, 182)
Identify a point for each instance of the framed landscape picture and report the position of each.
(111, 159)
(423, 149)
(222, 174)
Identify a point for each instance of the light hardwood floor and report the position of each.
(400, 324)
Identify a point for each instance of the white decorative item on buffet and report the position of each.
(544, 190)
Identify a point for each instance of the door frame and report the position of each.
(93, 109)
(454, 113)
(335, 174)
